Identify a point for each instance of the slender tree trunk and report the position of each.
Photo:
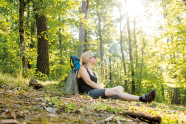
(175, 98)
(184, 102)
(101, 41)
(141, 70)
(43, 45)
(135, 41)
(21, 33)
(130, 51)
(82, 29)
(60, 39)
(86, 41)
(28, 21)
(136, 52)
(110, 71)
(33, 27)
(123, 57)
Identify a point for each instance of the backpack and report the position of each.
(74, 63)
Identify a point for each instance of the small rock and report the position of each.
(20, 114)
(118, 122)
(138, 104)
(3, 115)
(109, 118)
(52, 115)
(51, 109)
(43, 104)
(17, 106)
(38, 107)
(35, 84)
(37, 99)
(26, 111)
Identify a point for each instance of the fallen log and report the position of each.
(144, 116)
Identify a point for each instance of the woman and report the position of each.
(88, 83)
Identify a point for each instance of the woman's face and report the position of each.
(92, 59)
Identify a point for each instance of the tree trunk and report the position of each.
(28, 21)
(43, 45)
(60, 40)
(71, 86)
(33, 27)
(135, 41)
(141, 70)
(130, 50)
(21, 33)
(84, 9)
(86, 41)
(175, 98)
(123, 57)
(184, 103)
(101, 42)
(110, 71)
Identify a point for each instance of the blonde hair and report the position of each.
(85, 56)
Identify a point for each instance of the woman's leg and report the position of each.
(119, 88)
(118, 91)
(149, 97)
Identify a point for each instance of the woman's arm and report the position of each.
(84, 74)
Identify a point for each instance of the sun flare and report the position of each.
(135, 7)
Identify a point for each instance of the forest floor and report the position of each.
(20, 103)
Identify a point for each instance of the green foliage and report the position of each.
(100, 106)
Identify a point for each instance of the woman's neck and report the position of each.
(89, 66)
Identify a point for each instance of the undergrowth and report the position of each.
(52, 94)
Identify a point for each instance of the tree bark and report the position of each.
(135, 41)
(86, 41)
(33, 27)
(110, 71)
(130, 50)
(184, 102)
(144, 116)
(101, 42)
(43, 45)
(60, 40)
(175, 98)
(28, 21)
(21, 33)
(71, 86)
(121, 46)
(84, 9)
(141, 70)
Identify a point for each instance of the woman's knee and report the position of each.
(112, 91)
(120, 88)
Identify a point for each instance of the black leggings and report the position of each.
(96, 93)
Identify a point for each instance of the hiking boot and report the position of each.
(149, 97)
(113, 97)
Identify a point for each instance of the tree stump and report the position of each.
(71, 86)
